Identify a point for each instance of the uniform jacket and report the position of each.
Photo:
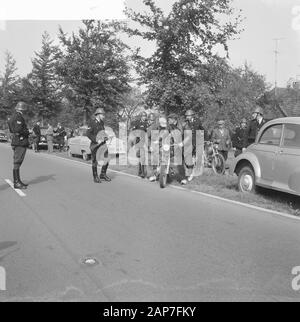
(94, 128)
(252, 130)
(61, 133)
(194, 126)
(222, 138)
(238, 140)
(18, 128)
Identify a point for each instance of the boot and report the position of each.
(143, 173)
(103, 175)
(95, 175)
(140, 170)
(17, 183)
(19, 178)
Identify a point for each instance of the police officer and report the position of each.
(238, 139)
(20, 133)
(60, 135)
(141, 126)
(192, 125)
(254, 126)
(96, 133)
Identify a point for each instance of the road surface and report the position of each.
(148, 244)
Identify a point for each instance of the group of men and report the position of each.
(145, 127)
(59, 133)
(244, 135)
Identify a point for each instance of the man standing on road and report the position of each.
(49, 135)
(190, 129)
(60, 135)
(254, 126)
(20, 133)
(96, 133)
(37, 136)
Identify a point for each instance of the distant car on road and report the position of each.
(80, 144)
(3, 136)
(273, 161)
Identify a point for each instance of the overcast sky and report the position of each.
(264, 21)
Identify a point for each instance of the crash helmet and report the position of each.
(20, 107)
(99, 110)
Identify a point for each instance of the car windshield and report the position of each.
(272, 135)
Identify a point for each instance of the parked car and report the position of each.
(273, 161)
(80, 144)
(3, 136)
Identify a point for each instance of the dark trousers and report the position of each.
(19, 155)
(94, 151)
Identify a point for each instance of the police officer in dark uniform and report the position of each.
(141, 126)
(254, 126)
(96, 133)
(20, 133)
(192, 125)
(60, 136)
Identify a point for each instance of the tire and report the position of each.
(163, 176)
(85, 156)
(218, 164)
(246, 180)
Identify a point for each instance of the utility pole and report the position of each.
(276, 62)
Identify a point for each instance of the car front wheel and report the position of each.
(246, 182)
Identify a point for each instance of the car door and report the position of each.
(288, 161)
(266, 149)
(74, 145)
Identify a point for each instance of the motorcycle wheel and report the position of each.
(218, 164)
(163, 176)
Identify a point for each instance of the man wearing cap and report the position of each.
(20, 133)
(221, 136)
(238, 140)
(192, 126)
(96, 133)
(254, 126)
(139, 130)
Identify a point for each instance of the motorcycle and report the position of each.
(212, 158)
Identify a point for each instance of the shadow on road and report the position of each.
(42, 179)
(4, 187)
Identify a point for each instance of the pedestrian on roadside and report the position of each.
(221, 136)
(49, 136)
(139, 130)
(238, 139)
(20, 142)
(96, 133)
(190, 130)
(36, 136)
(254, 126)
(60, 134)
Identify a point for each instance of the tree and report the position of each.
(42, 83)
(185, 40)
(94, 66)
(9, 86)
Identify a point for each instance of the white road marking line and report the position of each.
(18, 191)
(238, 203)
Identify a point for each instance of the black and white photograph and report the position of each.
(149, 153)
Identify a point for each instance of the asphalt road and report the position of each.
(149, 244)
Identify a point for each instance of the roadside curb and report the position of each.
(238, 203)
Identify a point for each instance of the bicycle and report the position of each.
(212, 158)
